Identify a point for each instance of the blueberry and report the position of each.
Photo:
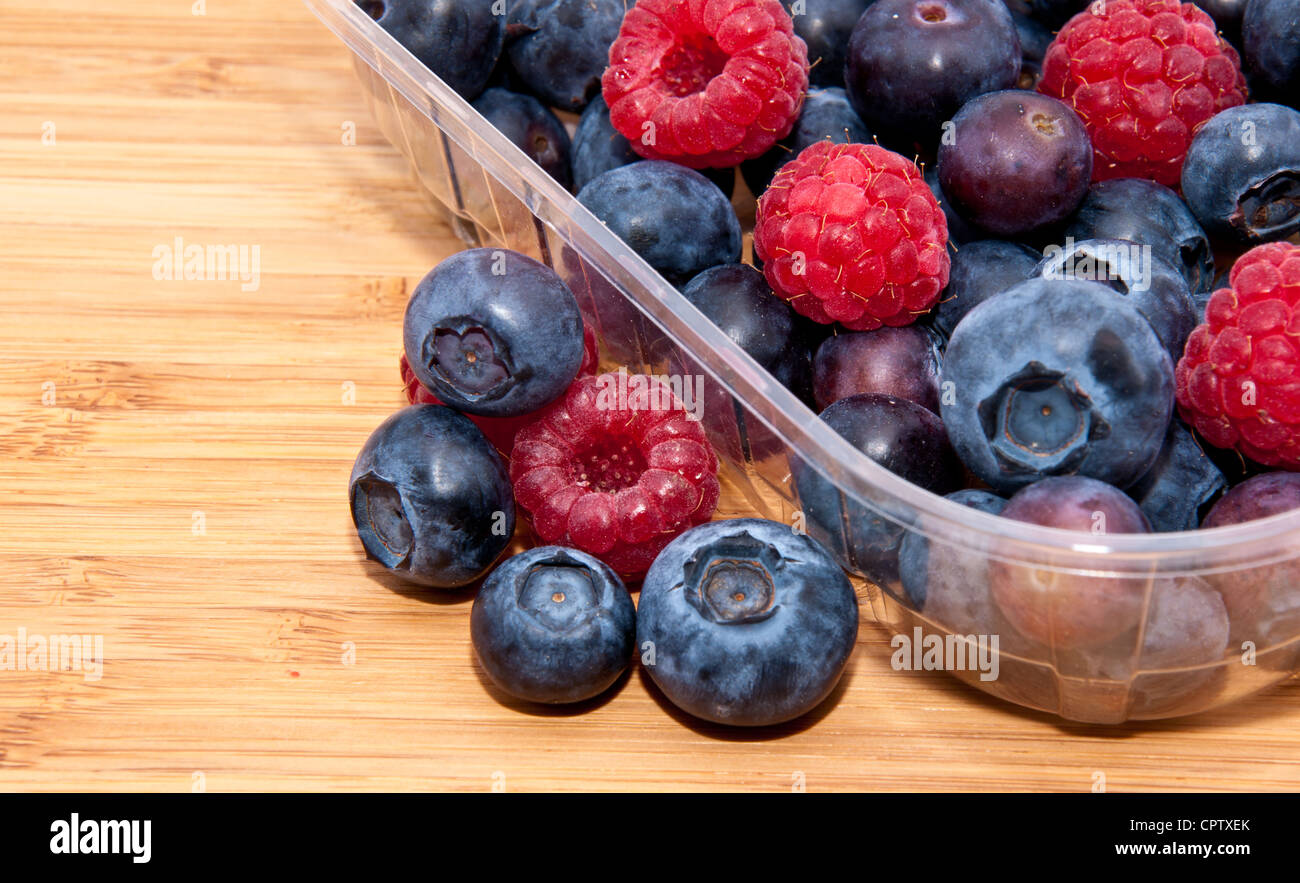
(738, 300)
(553, 625)
(902, 362)
(1067, 608)
(1242, 174)
(560, 47)
(746, 622)
(959, 231)
(1150, 283)
(598, 147)
(1228, 15)
(1015, 162)
(956, 585)
(1270, 43)
(1180, 485)
(903, 437)
(532, 127)
(430, 497)
(826, 114)
(1054, 13)
(493, 332)
(1148, 213)
(1055, 378)
(1185, 633)
(913, 63)
(672, 216)
(1034, 37)
(979, 271)
(458, 40)
(825, 25)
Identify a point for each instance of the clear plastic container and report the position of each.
(1156, 644)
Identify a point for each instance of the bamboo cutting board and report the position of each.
(174, 459)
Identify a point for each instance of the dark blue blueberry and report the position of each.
(826, 114)
(913, 63)
(458, 40)
(561, 47)
(553, 625)
(825, 25)
(1035, 37)
(746, 622)
(1181, 485)
(1228, 15)
(915, 572)
(493, 332)
(598, 147)
(738, 300)
(902, 362)
(1242, 173)
(673, 217)
(1054, 13)
(1015, 162)
(979, 271)
(1146, 212)
(1150, 283)
(430, 497)
(1270, 44)
(903, 437)
(1057, 378)
(532, 127)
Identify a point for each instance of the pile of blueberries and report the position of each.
(1111, 326)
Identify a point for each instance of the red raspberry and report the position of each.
(499, 430)
(615, 476)
(1143, 75)
(1239, 377)
(705, 83)
(851, 233)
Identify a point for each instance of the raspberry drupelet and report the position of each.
(851, 233)
(1143, 75)
(1239, 377)
(705, 83)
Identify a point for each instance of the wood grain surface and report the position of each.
(174, 458)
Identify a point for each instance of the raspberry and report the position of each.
(705, 83)
(499, 430)
(1143, 75)
(617, 476)
(1239, 377)
(851, 233)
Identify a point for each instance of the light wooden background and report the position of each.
(186, 405)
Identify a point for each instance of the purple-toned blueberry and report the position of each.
(553, 625)
(1263, 600)
(959, 231)
(1181, 485)
(913, 63)
(1035, 37)
(1015, 162)
(431, 498)
(1060, 607)
(981, 270)
(903, 437)
(1133, 271)
(532, 128)
(902, 362)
